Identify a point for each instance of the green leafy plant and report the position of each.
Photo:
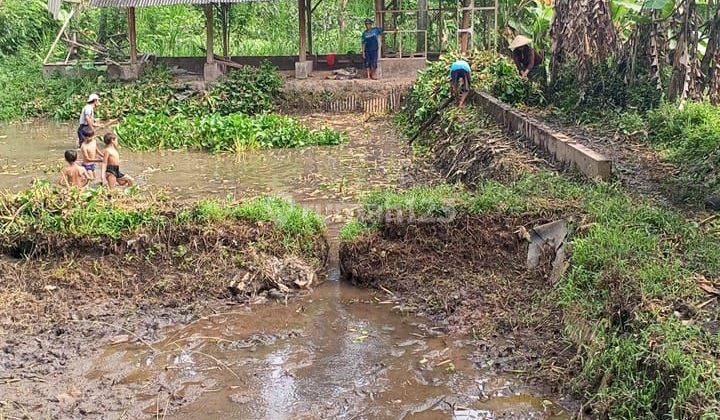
(221, 133)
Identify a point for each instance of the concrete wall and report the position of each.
(561, 147)
(195, 64)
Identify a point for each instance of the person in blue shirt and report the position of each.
(371, 47)
(460, 80)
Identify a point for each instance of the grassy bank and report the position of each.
(40, 218)
(631, 300)
(71, 255)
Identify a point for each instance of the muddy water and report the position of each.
(327, 178)
(339, 352)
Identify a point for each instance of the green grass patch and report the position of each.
(217, 133)
(689, 138)
(491, 72)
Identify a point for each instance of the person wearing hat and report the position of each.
(460, 80)
(528, 62)
(87, 118)
(370, 47)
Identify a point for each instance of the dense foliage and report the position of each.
(29, 94)
(219, 133)
(491, 73)
(24, 25)
(634, 267)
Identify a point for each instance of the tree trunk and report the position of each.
(342, 22)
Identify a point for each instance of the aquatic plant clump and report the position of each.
(634, 301)
(217, 133)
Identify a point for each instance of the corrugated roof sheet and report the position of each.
(150, 3)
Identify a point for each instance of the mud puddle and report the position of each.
(340, 353)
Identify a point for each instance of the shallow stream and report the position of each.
(339, 352)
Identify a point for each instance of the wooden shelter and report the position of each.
(403, 51)
(212, 65)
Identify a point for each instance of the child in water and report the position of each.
(111, 164)
(73, 175)
(91, 154)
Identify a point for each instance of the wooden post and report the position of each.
(226, 29)
(466, 26)
(302, 18)
(309, 26)
(422, 26)
(496, 28)
(380, 21)
(132, 35)
(209, 26)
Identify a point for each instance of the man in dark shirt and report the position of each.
(371, 47)
(528, 62)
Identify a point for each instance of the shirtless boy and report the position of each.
(91, 154)
(111, 164)
(73, 175)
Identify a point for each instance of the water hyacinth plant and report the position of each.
(221, 133)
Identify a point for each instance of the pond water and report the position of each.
(339, 352)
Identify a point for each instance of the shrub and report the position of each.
(491, 73)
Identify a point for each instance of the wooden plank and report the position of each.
(132, 35)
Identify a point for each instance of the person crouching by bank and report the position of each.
(371, 48)
(460, 80)
(529, 62)
(87, 118)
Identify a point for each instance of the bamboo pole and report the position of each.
(59, 35)
(309, 26)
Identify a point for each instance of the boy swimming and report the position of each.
(91, 154)
(73, 175)
(111, 164)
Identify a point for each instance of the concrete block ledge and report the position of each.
(561, 147)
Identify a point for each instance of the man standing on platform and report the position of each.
(371, 47)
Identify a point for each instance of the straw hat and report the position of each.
(520, 41)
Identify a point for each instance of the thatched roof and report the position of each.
(149, 3)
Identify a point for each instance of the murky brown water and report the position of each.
(340, 352)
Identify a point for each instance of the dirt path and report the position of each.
(338, 352)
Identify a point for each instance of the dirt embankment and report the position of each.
(63, 296)
(468, 273)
